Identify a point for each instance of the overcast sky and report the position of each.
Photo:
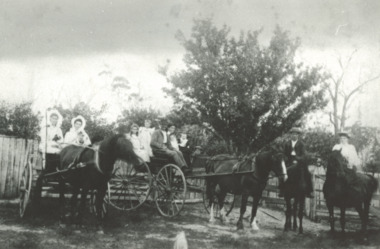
(52, 51)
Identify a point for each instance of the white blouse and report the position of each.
(348, 151)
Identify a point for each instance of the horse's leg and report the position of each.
(255, 204)
(82, 205)
(343, 219)
(73, 203)
(330, 207)
(288, 214)
(365, 220)
(101, 192)
(61, 188)
(212, 218)
(295, 206)
(243, 208)
(300, 212)
(221, 197)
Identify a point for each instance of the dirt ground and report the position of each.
(145, 228)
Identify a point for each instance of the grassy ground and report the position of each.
(146, 229)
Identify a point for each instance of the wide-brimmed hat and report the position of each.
(295, 130)
(344, 134)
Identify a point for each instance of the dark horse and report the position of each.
(344, 188)
(295, 188)
(97, 166)
(248, 184)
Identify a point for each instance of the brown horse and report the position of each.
(98, 164)
(248, 184)
(344, 188)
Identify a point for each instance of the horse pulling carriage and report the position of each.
(127, 184)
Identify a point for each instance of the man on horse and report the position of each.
(294, 149)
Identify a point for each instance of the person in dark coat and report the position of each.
(161, 145)
(294, 149)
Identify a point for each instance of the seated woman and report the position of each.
(77, 135)
(145, 136)
(138, 148)
(348, 151)
(184, 147)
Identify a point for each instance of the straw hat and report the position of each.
(344, 134)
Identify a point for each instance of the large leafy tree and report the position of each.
(249, 93)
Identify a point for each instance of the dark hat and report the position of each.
(295, 130)
(344, 134)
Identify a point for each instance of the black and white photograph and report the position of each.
(187, 124)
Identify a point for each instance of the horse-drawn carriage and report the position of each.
(129, 185)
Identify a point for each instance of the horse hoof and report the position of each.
(100, 232)
(77, 231)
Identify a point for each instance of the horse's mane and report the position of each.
(110, 140)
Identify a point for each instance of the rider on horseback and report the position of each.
(294, 149)
(348, 151)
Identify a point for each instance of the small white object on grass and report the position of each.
(180, 241)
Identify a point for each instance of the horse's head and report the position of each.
(336, 162)
(272, 160)
(118, 147)
(278, 165)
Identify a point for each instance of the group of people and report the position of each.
(52, 139)
(148, 142)
(295, 149)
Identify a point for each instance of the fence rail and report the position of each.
(14, 153)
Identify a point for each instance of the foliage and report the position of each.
(138, 116)
(185, 115)
(18, 120)
(249, 93)
(97, 126)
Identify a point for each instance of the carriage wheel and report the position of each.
(170, 191)
(26, 190)
(104, 204)
(229, 202)
(129, 186)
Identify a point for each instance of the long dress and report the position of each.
(139, 149)
(145, 136)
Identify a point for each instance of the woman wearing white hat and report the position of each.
(77, 135)
(51, 139)
(347, 150)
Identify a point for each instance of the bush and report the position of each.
(18, 120)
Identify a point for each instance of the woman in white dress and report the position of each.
(348, 151)
(77, 134)
(51, 140)
(145, 136)
(138, 148)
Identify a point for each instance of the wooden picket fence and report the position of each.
(13, 157)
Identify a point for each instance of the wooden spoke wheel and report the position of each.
(229, 202)
(26, 188)
(105, 203)
(170, 191)
(129, 186)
